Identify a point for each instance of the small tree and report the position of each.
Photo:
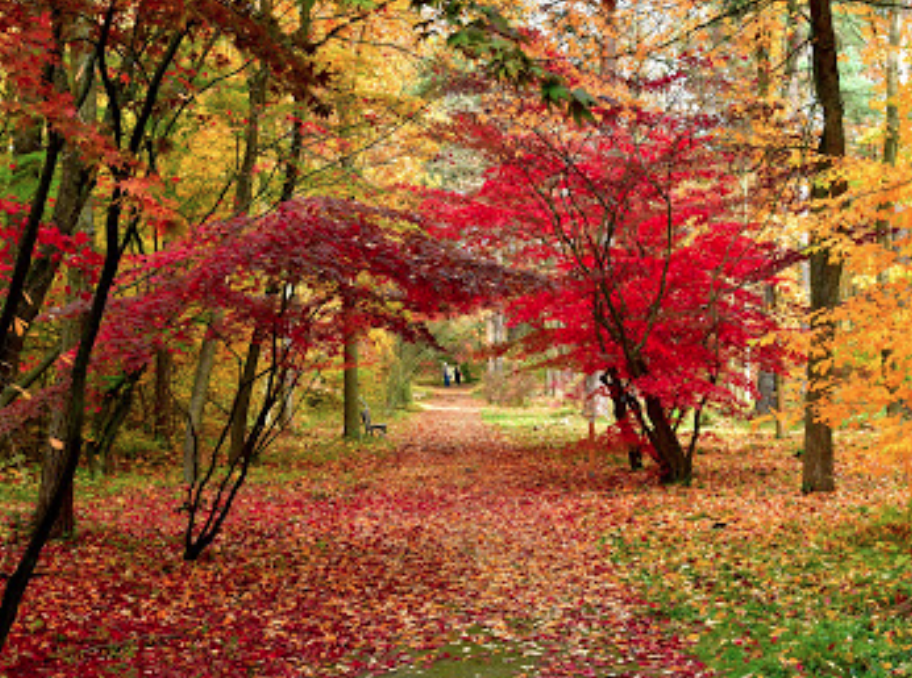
(340, 264)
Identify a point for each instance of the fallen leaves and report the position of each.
(455, 547)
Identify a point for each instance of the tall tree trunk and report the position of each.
(72, 213)
(351, 396)
(825, 268)
(351, 387)
(675, 464)
(243, 204)
(766, 381)
(53, 463)
(289, 188)
(243, 201)
(890, 155)
(790, 91)
(891, 138)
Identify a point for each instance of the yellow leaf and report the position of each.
(56, 443)
(20, 326)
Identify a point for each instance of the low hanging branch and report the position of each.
(325, 249)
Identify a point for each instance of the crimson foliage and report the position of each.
(327, 249)
(658, 275)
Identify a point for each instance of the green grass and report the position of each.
(825, 602)
(539, 426)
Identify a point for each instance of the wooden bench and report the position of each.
(370, 428)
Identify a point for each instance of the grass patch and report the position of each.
(820, 595)
(539, 426)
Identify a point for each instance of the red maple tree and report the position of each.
(310, 255)
(657, 274)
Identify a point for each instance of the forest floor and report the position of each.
(450, 551)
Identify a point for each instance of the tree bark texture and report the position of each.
(890, 155)
(675, 465)
(825, 269)
(241, 408)
(204, 365)
(161, 408)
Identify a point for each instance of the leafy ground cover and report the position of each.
(765, 581)
(451, 552)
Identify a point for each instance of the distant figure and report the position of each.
(446, 374)
(457, 375)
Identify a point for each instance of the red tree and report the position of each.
(656, 278)
(315, 253)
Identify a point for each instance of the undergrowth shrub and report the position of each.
(513, 389)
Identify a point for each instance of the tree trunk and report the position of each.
(790, 91)
(890, 155)
(242, 205)
(241, 409)
(351, 387)
(496, 335)
(891, 138)
(195, 410)
(53, 463)
(766, 381)
(52, 467)
(72, 213)
(825, 270)
(675, 465)
(161, 407)
(619, 401)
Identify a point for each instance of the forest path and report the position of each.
(351, 561)
(525, 529)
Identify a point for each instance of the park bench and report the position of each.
(370, 428)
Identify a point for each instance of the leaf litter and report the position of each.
(456, 546)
